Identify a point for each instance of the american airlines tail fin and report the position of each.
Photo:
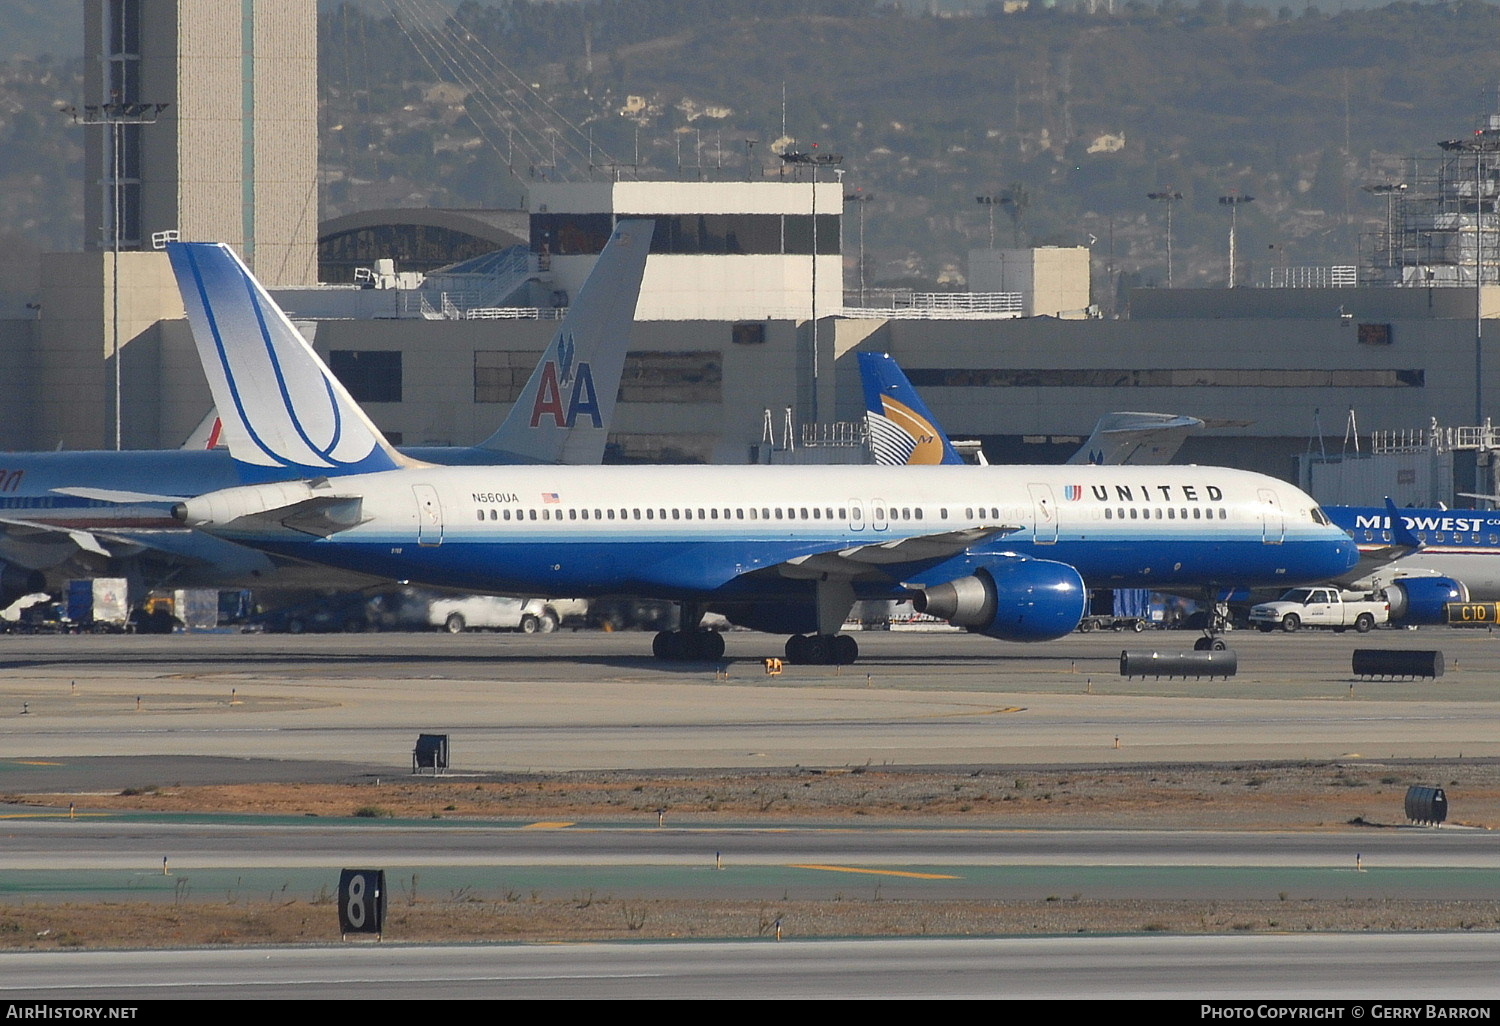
(902, 429)
(206, 434)
(564, 413)
(281, 408)
(1139, 439)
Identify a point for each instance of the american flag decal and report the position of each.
(550, 497)
(1073, 492)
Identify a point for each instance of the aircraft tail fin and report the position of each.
(280, 406)
(902, 429)
(563, 415)
(1138, 439)
(206, 434)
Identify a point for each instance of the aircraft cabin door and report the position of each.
(429, 515)
(1272, 519)
(1045, 507)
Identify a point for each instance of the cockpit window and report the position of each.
(1320, 518)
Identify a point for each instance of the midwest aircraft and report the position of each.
(66, 511)
(1003, 551)
(1453, 555)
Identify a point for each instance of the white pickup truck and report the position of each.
(1321, 607)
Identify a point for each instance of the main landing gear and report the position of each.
(691, 643)
(691, 646)
(821, 649)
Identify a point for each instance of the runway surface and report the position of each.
(1455, 969)
(596, 701)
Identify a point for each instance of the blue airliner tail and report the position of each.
(282, 409)
(902, 430)
(563, 415)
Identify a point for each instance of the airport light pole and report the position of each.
(860, 198)
(1167, 196)
(1390, 190)
(989, 203)
(1484, 140)
(116, 116)
(1233, 201)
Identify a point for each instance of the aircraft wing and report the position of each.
(19, 536)
(864, 560)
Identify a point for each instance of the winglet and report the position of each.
(563, 415)
(902, 429)
(282, 409)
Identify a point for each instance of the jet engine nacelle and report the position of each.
(1017, 600)
(16, 581)
(1417, 600)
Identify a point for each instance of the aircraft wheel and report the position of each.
(797, 649)
(666, 645)
(455, 623)
(1201, 645)
(846, 649)
(819, 651)
(1218, 645)
(708, 645)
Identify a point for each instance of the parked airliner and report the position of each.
(58, 506)
(1456, 553)
(1003, 551)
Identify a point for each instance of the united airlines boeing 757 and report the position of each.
(1003, 551)
(58, 506)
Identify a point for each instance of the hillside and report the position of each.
(1076, 116)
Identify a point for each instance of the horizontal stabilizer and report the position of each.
(863, 559)
(321, 515)
(1136, 439)
(116, 496)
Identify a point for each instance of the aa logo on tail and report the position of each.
(559, 378)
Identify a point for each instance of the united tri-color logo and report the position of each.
(903, 436)
(559, 376)
(1073, 492)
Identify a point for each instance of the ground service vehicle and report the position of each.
(1320, 607)
(492, 613)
